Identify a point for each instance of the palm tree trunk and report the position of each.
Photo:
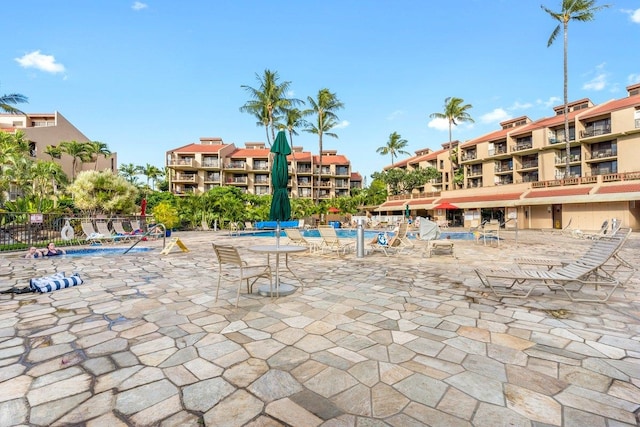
(566, 101)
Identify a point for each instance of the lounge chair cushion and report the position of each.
(54, 282)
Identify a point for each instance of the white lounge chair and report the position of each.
(589, 269)
(331, 242)
(295, 237)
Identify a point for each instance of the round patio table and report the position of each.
(280, 288)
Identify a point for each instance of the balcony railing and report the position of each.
(469, 155)
(342, 171)
(595, 131)
(236, 165)
(261, 166)
(529, 164)
(185, 178)
(303, 170)
(498, 150)
(600, 154)
(474, 171)
(214, 178)
(237, 180)
(562, 160)
(503, 168)
(210, 164)
(181, 162)
(522, 146)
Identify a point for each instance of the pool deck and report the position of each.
(399, 341)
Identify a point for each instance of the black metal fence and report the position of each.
(22, 230)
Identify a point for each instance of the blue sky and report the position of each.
(149, 76)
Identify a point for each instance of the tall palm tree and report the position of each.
(324, 109)
(395, 145)
(270, 98)
(151, 172)
(7, 102)
(455, 111)
(129, 172)
(78, 151)
(572, 10)
(96, 149)
(294, 119)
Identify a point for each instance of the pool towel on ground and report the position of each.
(54, 282)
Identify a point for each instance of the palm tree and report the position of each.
(269, 100)
(152, 173)
(572, 10)
(129, 172)
(394, 146)
(7, 102)
(96, 149)
(294, 119)
(455, 111)
(54, 151)
(78, 151)
(324, 108)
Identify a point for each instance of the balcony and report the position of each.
(238, 180)
(304, 183)
(211, 163)
(236, 165)
(474, 171)
(261, 181)
(342, 171)
(530, 164)
(561, 160)
(212, 177)
(506, 167)
(522, 146)
(303, 170)
(474, 183)
(595, 131)
(261, 166)
(183, 177)
(469, 155)
(185, 162)
(505, 180)
(602, 154)
(499, 149)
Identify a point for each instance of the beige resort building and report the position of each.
(44, 129)
(516, 173)
(196, 168)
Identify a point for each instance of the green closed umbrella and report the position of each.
(280, 205)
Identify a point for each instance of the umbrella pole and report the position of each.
(278, 234)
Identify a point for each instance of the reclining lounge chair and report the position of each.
(589, 269)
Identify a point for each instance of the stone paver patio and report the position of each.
(374, 341)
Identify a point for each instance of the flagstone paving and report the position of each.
(375, 341)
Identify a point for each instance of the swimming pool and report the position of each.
(368, 234)
(103, 251)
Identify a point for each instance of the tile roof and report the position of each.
(481, 198)
(414, 202)
(610, 106)
(250, 152)
(200, 148)
(621, 188)
(555, 192)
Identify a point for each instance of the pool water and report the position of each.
(370, 234)
(103, 251)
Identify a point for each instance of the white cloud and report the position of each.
(395, 115)
(599, 82)
(633, 78)
(520, 106)
(549, 103)
(439, 124)
(343, 124)
(139, 5)
(40, 62)
(496, 116)
(634, 15)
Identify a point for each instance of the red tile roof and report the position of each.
(392, 203)
(610, 106)
(621, 188)
(355, 176)
(481, 198)
(556, 192)
(414, 202)
(250, 152)
(200, 148)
